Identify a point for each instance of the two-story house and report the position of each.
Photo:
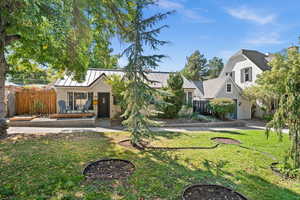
(241, 71)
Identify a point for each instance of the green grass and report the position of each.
(50, 167)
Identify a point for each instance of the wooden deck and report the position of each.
(71, 115)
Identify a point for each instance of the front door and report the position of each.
(103, 105)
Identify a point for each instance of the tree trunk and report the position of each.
(3, 69)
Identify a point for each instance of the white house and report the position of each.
(240, 72)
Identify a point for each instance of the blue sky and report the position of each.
(222, 27)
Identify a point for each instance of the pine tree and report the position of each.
(196, 66)
(175, 99)
(215, 66)
(139, 94)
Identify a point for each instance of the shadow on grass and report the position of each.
(228, 132)
(56, 164)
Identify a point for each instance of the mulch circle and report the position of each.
(109, 169)
(210, 192)
(224, 140)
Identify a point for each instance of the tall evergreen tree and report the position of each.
(215, 66)
(139, 94)
(196, 66)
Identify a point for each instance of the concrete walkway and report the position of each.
(39, 130)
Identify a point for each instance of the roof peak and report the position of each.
(120, 70)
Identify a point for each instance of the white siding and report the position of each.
(245, 64)
(98, 86)
(243, 106)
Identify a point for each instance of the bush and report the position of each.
(222, 106)
(175, 99)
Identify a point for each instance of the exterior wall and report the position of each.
(244, 64)
(243, 106)
(98, 86)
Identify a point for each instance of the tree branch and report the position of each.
(11, 38)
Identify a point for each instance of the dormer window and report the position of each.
(246, 75)
(228, 87)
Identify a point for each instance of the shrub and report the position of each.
(222, 106)
(175, 99)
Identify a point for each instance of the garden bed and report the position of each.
(108, 169)
(207, 192)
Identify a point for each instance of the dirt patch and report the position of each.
(214, 192)
(224, 140)
(108, 169)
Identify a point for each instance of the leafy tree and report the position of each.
(118, 85)
(56, 33)
(29, 74)
(222, 106)
(195, 67)
(288, 111)
(139, 94)
(215, 66)
(175, 100)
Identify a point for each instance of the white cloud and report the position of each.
(265, 39)
(191, 14)
(169, 4)
(249, 14)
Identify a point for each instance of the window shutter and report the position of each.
(233, 76)
(250, 74)
(242, 76)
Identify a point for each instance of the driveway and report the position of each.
(250, 124)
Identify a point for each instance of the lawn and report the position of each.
(50, 167)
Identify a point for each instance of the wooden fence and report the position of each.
(35, 101)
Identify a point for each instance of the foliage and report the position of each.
(60, 159)
(38, 106)
(175, 99)
(29, 74)
(222, 106)
(58, 34)
(195, 67)
(140, 94)
(288, 111)
(118, 86)
(215, 66)
(262, 96)
(286, 169)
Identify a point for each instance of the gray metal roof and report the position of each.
(92, 75)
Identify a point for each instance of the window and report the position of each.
(228, 87)
(246, 75)
(190, 98)
(76, 100)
